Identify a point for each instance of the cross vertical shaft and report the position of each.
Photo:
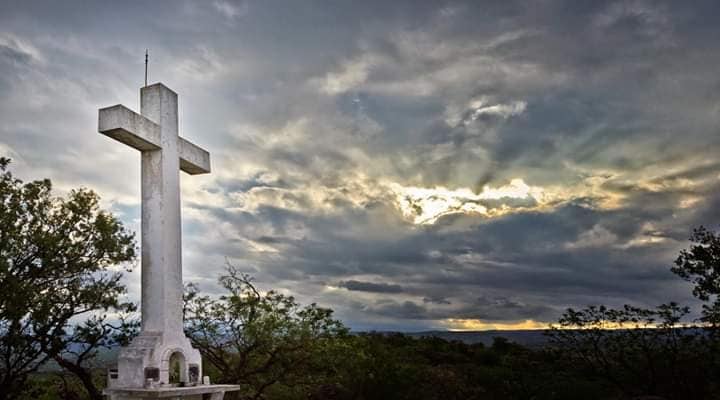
(161, 239)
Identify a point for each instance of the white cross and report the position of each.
(163, 154)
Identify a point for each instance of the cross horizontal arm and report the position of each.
(193, 159)
(129, 127)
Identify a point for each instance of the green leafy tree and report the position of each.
(700, 264)
(640, 352)
(266, 342)
(81, 354)
(653, 352)
(56, 256)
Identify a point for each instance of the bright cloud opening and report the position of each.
(427, 205)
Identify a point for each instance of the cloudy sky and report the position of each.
(413, 165)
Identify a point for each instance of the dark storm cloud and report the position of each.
(370, 287)
(404, 310)
(13, 56)
(259, 180)
(316, 114)
(499, 309)
(436, 300)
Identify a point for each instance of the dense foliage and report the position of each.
(55, 259)
(276, 349)
(700, 264)
(266, 342)
(639, 351)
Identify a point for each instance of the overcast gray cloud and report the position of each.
(412, 165)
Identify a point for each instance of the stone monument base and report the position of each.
(200, 392)
(148, 358)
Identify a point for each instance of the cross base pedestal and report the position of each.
(201, 392)
(157, 358)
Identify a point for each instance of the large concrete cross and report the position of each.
(155, 133)
(144, 366)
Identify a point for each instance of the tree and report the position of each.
(638, 351)
(56, 259)
(645, 351)
(700, 264)
(263, 341)
(83, 344)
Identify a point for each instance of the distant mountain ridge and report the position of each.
(532, 338)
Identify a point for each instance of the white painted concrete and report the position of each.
(215, 392)
(163, 155)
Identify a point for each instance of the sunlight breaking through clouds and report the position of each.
(427, 205)
(480, 108)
